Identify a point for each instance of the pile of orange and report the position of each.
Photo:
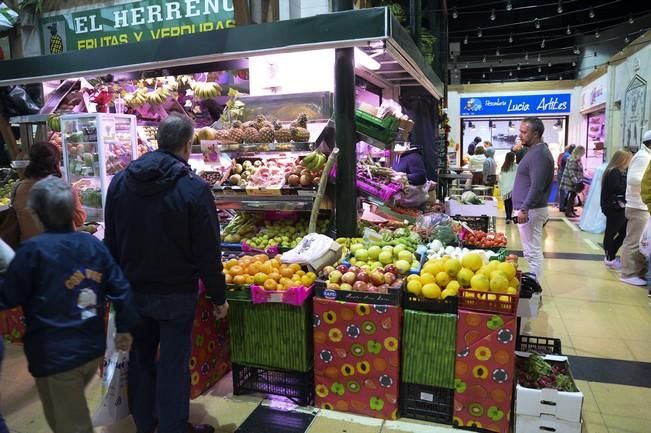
(266, 272)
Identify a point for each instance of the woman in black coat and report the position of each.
(613, 202)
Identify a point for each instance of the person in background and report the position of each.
(44, 160)
(533, 183)
(487, 144)
(506, 181)
(63, 280)
(562, 162)
(172, 243)
(476, 166)
(473, 145)
(613, 202)
(572, 180)
(490, 168)
(412, 164)
(634, 264)
(645, 194)
(519, 149)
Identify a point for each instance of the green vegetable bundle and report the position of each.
(537, 373)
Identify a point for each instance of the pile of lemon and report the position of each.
(440, 278)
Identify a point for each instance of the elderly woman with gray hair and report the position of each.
(63, 279)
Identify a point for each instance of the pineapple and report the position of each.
(249, 125)
(236, 133)
(262, 122)
(251, 135)
(223, 135)
(283, 135)
(266, 135)
(299, 129)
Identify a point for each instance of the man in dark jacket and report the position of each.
(473, 145)
(162, 227)
(62, 280)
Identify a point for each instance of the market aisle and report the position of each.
(584, 305)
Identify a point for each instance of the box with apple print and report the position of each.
(484, 371)
(357, 357)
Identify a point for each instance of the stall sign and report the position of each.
(520, 105)
(132, 22)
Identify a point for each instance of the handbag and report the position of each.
(579, 187)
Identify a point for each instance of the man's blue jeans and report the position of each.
(159, 387)
(3, 426)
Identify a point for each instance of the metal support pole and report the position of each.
(346, 199)
(346, 212)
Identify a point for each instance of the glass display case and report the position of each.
(96, 146)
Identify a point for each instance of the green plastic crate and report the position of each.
(428, 348)
(271, 335)
(384, 130)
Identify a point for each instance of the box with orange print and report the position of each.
(357, 357)
(484, 371)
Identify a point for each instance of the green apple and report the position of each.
(403, 266)
(386, 257)
(361, 254)
(355, 247)
(374, 252)
(388, 248)
(405, 255)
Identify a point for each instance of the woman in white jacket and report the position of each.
(506, 181)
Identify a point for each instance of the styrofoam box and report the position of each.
(565, 406)
(488, 208)
(545, 423)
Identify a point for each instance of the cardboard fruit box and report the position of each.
(545, 423)
(488, 208)
(564, 406)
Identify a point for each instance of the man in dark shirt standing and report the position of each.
(161, 226)
(533, 183)
(473, 145)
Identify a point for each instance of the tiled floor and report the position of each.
(584, 305)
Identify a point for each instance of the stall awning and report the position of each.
(361, 28)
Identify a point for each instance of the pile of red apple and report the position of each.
(482, 239)
(345, 277)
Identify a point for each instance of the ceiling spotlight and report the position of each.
(627, 40)
(630, 19)
(573, 64)
(465, 40)
(597, 34)
(536, 23)
(518, 66)
(549, 64)
(468, 82)
(479, 32)
(538, 56)
(490, 69)
(542, 44)
(568, 31)
(455, 13)
(559, 9)
(493, 15)
(483, 59)
(511, 38)
(546, 77)
(466, 66)
(510, 73)
(539, 69)
(497, 52)
(560, 77)
(509, 6)
(483, 75)
(577, 50)
(526, 55)
(591, 13)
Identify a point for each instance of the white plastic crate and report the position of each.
(545, 423)
(488, 208)
(565, 406)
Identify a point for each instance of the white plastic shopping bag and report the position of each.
(645, 240)
(115, 404)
